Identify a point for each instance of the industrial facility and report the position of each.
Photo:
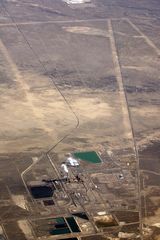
(76, 188)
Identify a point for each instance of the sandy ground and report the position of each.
(62, 78)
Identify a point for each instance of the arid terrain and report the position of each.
(78, 78)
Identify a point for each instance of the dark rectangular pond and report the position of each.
(82, 215)
(41, 191)
(73, 225)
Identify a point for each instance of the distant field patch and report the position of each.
(86, 30)
(76, 1)
(91, 156)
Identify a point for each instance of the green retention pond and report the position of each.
(60, 231)
(90, 156)
(63, 225)
(60, 227)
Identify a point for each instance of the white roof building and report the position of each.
(64, 168)
(72, 162)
